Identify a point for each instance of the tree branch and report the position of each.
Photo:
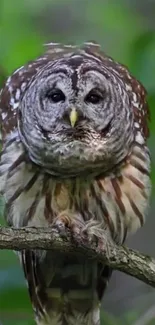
(117, 257)
(148, 316)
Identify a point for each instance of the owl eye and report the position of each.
(93, 97)
(55, 95)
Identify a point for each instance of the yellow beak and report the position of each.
(73, 117)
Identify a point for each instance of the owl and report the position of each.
(74, 126)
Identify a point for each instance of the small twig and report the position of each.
(147, 317)
(117, 257)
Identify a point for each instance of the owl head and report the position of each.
(73, 109)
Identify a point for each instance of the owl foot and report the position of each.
(62, 224)
(90, 234)
(65, 226)
(96, 236)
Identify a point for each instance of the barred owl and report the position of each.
(74, 130)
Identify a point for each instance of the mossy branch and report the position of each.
(117, 257)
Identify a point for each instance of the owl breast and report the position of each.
(118, 201)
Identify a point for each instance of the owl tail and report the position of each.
(64, 290)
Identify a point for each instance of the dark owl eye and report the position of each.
(93, 97)
(55, 95)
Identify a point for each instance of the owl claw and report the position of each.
(79, 233)
(61, 228)
(96, 238)
(64, 225)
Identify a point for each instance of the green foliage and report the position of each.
(24, 26)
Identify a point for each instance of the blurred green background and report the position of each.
(126, 31)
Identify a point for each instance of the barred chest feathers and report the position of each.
(118, 202)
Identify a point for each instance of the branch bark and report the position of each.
(117, 257)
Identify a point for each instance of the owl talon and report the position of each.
(61, 228)
(98, 241)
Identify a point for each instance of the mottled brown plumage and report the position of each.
(74, 131)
